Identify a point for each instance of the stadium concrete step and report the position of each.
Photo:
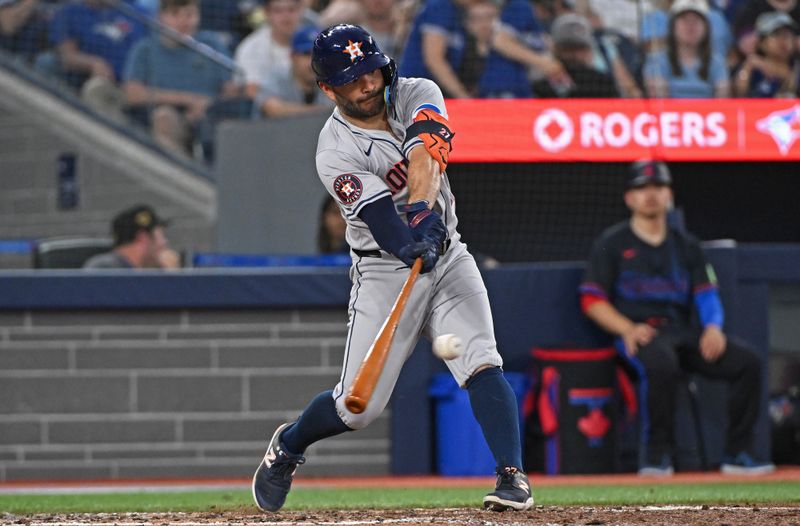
(113, 169)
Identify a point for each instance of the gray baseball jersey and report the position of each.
(358, 167)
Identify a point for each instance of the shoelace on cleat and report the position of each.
(284, 466)
(506, 477)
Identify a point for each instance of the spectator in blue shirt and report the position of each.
(150, 7)
(773, 70)
(655, 26)
(176, 84)
(504, 77)
(435, 47)
(93, 38)
(688, 67)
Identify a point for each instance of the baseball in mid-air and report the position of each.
(447, 346)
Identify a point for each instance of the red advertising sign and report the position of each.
(625, 130)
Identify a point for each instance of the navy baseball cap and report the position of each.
(129, 222)
(303, 40)
(644, 173)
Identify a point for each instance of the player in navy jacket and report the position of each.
(650, 285)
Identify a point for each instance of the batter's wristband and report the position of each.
(415, 207)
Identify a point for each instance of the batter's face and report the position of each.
(361, 99)
(650, 201)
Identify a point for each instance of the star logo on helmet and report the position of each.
(354, 49)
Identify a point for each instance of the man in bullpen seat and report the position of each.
(644, 281)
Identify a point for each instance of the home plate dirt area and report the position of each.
(540, 515)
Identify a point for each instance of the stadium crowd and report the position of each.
(180, 66)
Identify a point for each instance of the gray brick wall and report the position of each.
(126, 395)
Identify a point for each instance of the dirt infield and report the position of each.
(550, 516)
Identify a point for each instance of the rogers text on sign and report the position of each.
(670, 129)
(606, 130)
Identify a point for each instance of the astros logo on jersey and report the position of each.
(354, 48)
(348, 188)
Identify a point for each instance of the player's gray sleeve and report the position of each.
(349, 182)
(415, 96)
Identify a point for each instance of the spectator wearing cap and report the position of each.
(688, 67)
(614, 52)
(298, 94)
(773, 70)
(266, 52)
(139, 242)
(574, 45)
(744, 25)
(650, 286)
(655, 26)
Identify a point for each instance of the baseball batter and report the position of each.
(382, 155)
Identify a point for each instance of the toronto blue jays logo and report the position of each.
(117, 30)
(354, 49)
(595, 424)
(783, 126)
(348, 188)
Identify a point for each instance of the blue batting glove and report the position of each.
(424, 249)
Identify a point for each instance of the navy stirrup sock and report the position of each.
(319, 420)
(495, 408)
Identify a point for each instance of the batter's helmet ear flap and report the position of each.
(390, 77)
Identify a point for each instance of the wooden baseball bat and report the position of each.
(371, 368)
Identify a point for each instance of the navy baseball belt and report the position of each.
(377, 253)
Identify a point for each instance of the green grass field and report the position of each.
(316, 498)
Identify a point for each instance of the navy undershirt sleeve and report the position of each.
(387, 228)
